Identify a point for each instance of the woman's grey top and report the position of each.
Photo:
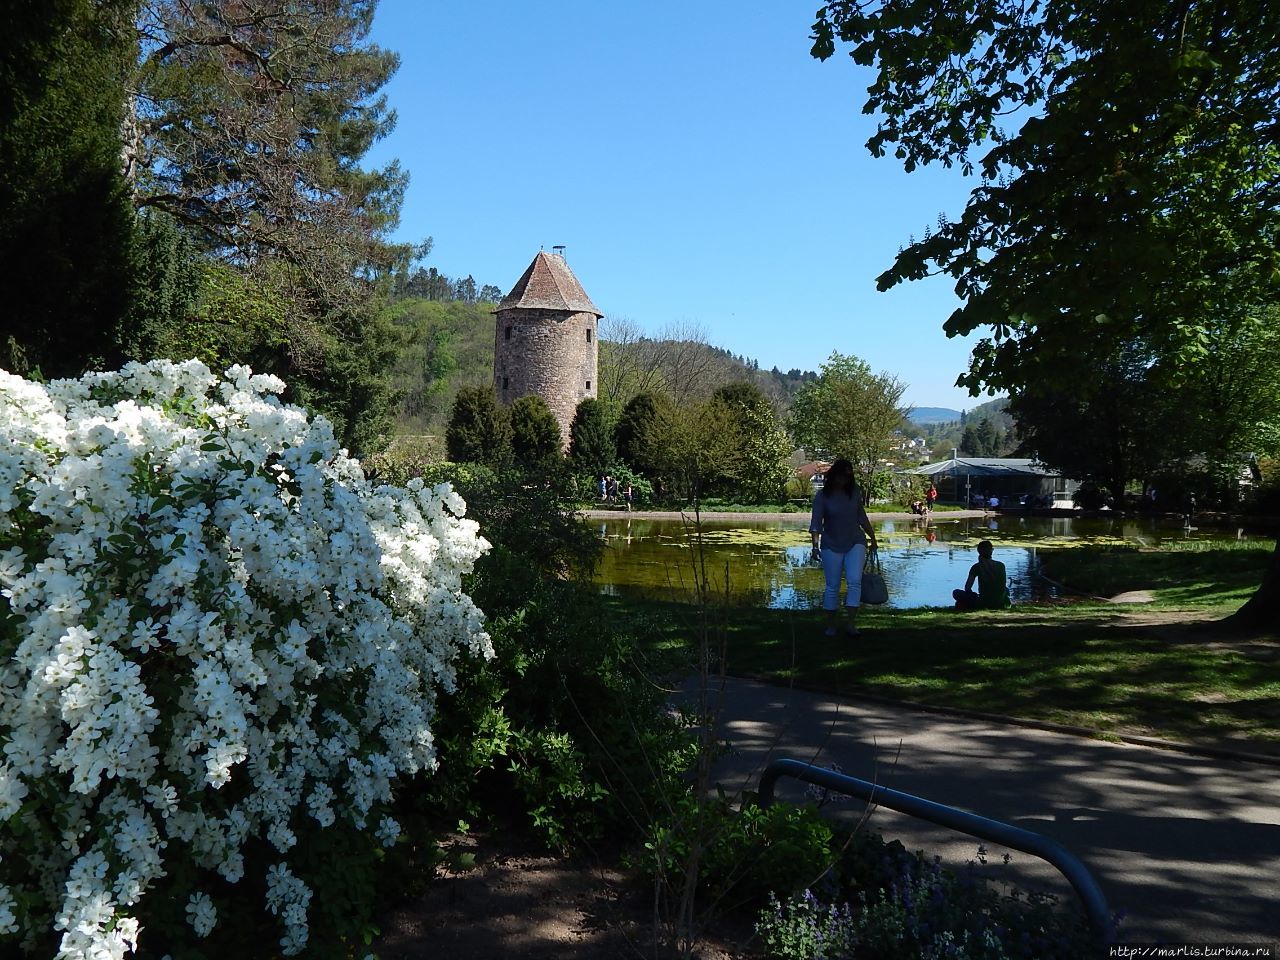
(839, 519)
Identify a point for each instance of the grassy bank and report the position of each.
(1160, 669)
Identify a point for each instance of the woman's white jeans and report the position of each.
(850, 565)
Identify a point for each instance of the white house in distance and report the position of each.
(972, 480)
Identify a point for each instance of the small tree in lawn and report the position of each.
(591, 439)
(479, 429)
(535, 433)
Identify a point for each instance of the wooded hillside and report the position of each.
(445, 342)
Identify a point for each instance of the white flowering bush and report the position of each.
(216, 638)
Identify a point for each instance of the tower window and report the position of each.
(588, 334)
(588, 384)
(508, 333)
(504, 379)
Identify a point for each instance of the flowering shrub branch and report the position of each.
(213, 631)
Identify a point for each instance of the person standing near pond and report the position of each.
(841, 533)
(993, 583)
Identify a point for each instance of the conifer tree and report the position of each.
(590, 438)
(535, 433)
(247, 126)
(636, 416)
(249, 122)
(479, 429)
(66, 226)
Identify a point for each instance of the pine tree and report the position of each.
(988, 444)
(250, 122)
(248, 127)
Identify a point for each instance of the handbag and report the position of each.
(874, 589)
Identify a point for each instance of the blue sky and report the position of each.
(697, 163)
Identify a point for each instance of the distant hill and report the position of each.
(996, 410)
(985, 431)
(446, 342)
(926, 415)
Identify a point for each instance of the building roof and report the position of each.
(985, 467)
(812, 467)
(549, 284)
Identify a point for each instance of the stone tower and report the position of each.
(545, 339)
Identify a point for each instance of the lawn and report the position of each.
(1163, 669)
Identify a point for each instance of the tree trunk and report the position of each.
(1262, 612)
(1116, 488)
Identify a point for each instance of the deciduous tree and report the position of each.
(1117, 426)
(1130, 172)
(679, 363)
(850, 412)
(693, 447)
(740, 393)
(762, 463)
(1230, 401)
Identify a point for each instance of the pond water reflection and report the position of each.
(766, 562)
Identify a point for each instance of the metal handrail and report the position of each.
(1005, 834)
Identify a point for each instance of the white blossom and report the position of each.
(388, 832)
(8, 919)
(201, 914)
(178, 516)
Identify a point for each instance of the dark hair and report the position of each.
(840, 466)
(985, 548)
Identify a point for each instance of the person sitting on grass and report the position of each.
(993, 584)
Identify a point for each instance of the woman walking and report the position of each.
(841, 532)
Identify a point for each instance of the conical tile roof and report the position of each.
(549, 284)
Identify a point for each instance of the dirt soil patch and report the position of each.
(521, 906)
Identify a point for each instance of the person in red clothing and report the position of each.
(931, 497)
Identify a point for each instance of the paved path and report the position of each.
(1187, 847)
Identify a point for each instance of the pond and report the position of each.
(767, 561)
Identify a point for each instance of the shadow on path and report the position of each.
(1187, 847)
